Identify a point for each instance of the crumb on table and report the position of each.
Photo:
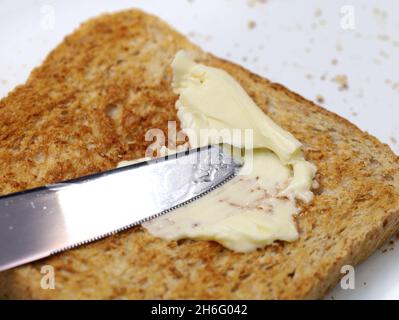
(320, 98)
(251, 24)
(342, 81)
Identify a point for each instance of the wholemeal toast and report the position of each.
(88, 106)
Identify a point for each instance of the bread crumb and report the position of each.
(384, 54)
(360, 94)
(342, 81)
(309, 76)
(383, 37)
(253, 3)
(4, 82)
(320, 98)
(338, 47)
(393, 140)
(354, 113)
(323, 76)
(380, 13)
(334, 62)
(251, 24)
(318, 13)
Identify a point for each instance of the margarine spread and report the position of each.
(253, 209)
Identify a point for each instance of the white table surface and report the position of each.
(301, 44)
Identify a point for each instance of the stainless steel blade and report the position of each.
(37, 223)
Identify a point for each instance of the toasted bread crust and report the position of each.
(88, 106)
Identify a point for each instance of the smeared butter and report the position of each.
(251, 210)
(246, 213)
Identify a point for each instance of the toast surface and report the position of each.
(88, 106)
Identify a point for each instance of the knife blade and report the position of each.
(43, 221)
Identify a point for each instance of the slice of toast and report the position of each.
(88, 106)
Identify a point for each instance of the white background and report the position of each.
(288, 41)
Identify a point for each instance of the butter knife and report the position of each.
(47, 220)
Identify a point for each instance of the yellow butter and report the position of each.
(243, 214)
(211, 98)
(251, 210)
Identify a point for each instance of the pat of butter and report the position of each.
(251, 210)
(211, 99)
